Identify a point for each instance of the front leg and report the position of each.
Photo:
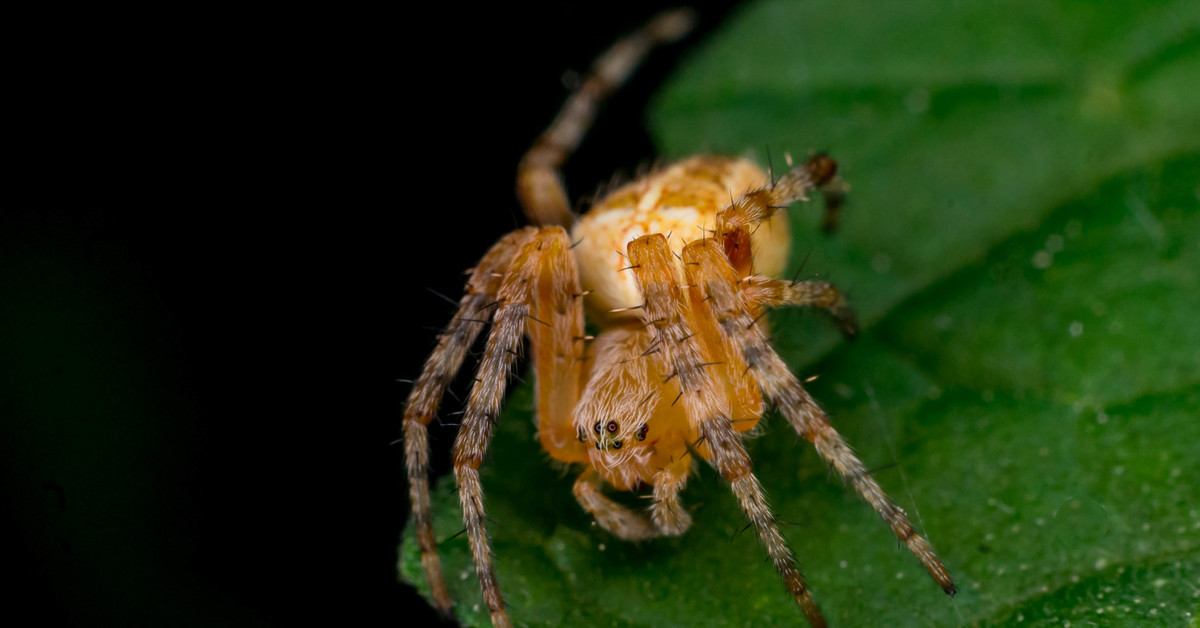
(426, 396)
(718, 282)
(532, 265)
(706, 404)
(763, 291)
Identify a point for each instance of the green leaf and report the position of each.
(1022, 246)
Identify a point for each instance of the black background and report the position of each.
(217, 249)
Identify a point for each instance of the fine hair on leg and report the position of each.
(748, 211)
(766, 292)
(533, 260)
(718, 281)
(426, 395)
(707, 407)
(539, 184)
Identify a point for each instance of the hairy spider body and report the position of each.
(676, 270)
(682, 202)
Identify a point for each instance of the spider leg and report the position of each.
(531, 268)
(439, 370)
(707, 406)
(763, 291)
(735, 222)
(556, 335)
(667, 511)
(617, 519)
(718, 280)
(834, 193)
(539, 185)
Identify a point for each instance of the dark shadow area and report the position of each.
(220, 253)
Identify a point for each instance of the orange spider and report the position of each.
(676, 270)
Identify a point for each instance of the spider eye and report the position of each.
(596, 427)
(642, 431)
(611, 427)
(582, 435)
(616, 444)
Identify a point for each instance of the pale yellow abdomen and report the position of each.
(681, 200)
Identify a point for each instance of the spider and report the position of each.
(675, 268)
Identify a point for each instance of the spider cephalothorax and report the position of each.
(676, 270)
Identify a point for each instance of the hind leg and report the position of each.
(539, 183)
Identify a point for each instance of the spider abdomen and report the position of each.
(680, 201)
